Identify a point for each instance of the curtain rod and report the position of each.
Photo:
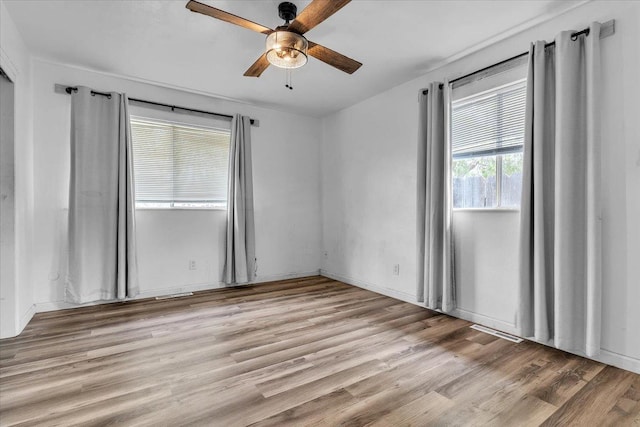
(605, 30)
(70, 89)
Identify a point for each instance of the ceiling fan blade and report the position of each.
(257, 67)
(333, 58)
(204, 9)
(316, 12)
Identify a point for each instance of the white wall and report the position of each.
(286, 171)
(487, 266)
(369, 191)
(16, 295)
(7, 206)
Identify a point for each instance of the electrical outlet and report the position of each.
(192, 264)
(396, 269)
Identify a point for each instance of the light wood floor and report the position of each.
(301, 352)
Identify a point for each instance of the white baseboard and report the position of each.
(619, 360)
(606, 356)
(26, 318)
(402, 296)
(152, 293)
(483, 320)
(209, 286)
(276, 277)
(42, 307)
(22, 322)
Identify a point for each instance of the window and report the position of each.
(487, 135)
(179, 166)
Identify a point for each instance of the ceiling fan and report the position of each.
(286, 47)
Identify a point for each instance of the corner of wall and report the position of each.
(16, 59)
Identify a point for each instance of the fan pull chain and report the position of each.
(288, 83)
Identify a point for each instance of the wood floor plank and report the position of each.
(314, 409)
(598, 399)
(309, 351)
(422, 411)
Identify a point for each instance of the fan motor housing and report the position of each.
(287, 11)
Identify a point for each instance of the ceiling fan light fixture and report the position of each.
(286, 49)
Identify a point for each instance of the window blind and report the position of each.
(489, 123)
(179, 165)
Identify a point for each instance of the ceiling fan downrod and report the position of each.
(287, 11)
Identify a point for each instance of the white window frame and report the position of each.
(489, 84)
(194, 121)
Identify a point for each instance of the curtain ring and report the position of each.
(575, 36)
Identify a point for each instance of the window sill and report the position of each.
(147, 208)
(487, 210)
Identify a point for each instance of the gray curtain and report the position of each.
(240, 242)
(560, 262)
(102, 249)
(434, 228)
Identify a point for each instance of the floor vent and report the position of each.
(495, 333)
(183, 294)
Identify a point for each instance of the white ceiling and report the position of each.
(162, 41)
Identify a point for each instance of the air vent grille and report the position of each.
(498, 334)
(183, 294)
